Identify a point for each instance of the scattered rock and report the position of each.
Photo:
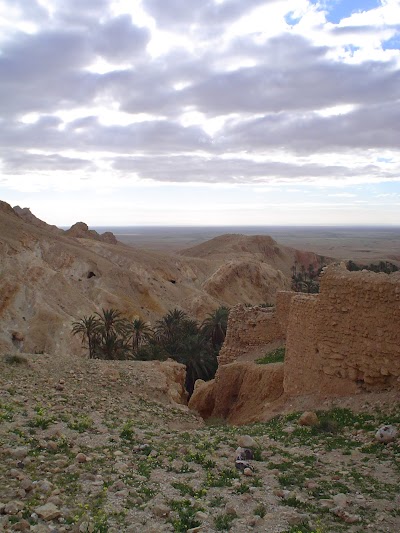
(44, 486)
(27, 484)
(244, 454)
(309, 418)
(48, 511)
(161, 510)
(245, 441)
(386, 434)
(340, 500)
(19, 453)
(22, 525)
(297, 519)
(346, 517)
(13, 507)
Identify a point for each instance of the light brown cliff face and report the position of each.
(241, 393)
(50, 279)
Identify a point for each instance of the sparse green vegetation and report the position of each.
(140, 470)
(223, 522)
(276, 356)
(185, 519)
(15, 359)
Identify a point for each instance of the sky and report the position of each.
(211, 112)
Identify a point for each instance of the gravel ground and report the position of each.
(94, 446)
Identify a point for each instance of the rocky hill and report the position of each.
(50, 278)
(236, 247)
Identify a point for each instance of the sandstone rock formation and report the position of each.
(26, 215)
(80, 230)
(240, 393)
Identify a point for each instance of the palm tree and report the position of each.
(215, 325)
(169, 327)
(112, 330)
(87, 327)
(196, 353)
(140, 333)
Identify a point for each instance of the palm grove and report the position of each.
(109, 335)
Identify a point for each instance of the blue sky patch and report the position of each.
(393, 43)
(340, 9)
(291, 19)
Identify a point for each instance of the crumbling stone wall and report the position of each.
(283, 302)
(346, 338)
(250, 331)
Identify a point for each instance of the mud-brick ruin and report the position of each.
(342, 341)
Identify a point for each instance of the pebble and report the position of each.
(309, 418)
(48, 511)
(13, 507)
(340, 500)
(19, 453)
(245, 441)
(22, 525)
(161, 510)
(230, 509)
(386, 434)
(81, 457)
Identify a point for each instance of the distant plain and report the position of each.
(362, 244)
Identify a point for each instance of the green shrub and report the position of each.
(276, 356)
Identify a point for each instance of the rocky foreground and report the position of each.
(95, 446)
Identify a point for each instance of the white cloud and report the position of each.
(216, 92)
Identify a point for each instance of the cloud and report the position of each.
(231, 95)
(31, 10)
(206, 15)
(22, 162)
(197, 169)
(119, 40)
(368, 127)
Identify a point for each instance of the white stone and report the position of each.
(386, 434)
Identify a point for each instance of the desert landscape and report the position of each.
(93, 445)
(199, 266)
(363, 244)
